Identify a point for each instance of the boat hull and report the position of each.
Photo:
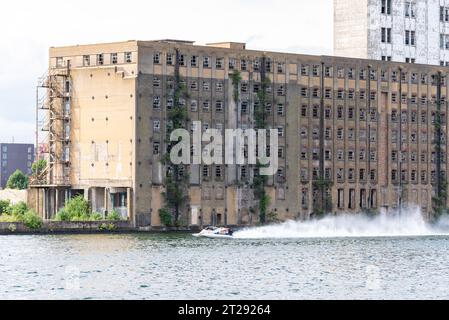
(212, 236)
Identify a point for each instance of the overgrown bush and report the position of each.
(18, 209)
(76, 209)
(166, 217)
(20, 213)
(114, 216)
(32, 220)
(4, 206)
(18, 180)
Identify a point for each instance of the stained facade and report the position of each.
(366, 128)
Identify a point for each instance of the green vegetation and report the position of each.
(77, 209)
(19, 213)
(4, 205)
(236, 79)
(38, 169)
(260, 115)
(323, 186)
(166, 217)
(114, 216)
(18, 181)
(177, 180)
(107, 227)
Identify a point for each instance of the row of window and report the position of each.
(314, 111)
(409, 8)
(315, 70)
(100, 59)
(350, 175)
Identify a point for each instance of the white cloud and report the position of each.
(29, 28)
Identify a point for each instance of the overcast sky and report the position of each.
(29, 28)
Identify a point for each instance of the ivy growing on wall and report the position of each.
(440, 198)
(260, 117)
(176, 182)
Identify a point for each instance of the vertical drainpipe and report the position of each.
(368, 122)
(321, 173)
(131, 194)
(439, 190)
(400, 142)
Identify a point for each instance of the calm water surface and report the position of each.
(178, 266)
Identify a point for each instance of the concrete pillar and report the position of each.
(94, 199)
(106, 201)
(129, 203)
(56, 201)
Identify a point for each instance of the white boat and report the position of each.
(215, 233)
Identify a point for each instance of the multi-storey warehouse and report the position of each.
(354, 135)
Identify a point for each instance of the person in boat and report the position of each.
(227, 232)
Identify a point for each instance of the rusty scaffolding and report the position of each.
(53, 127)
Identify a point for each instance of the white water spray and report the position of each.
(408, 223)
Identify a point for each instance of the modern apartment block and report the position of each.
(15, 156)
(413, 31)
(367, 127)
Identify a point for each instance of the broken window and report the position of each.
(194, 61)
(304, 92)
(193, 105)
(59, 62)
(156, 147)
(114, 58)
(219, 63)
(244, 107)
(219, 106)
(86, 61)
(281, 91)
(243, 65)
(218, 172)
(170, 103)
(170, 59)
(206, 106)
(100, 59)
(182, 60)
(205, 171)
(157, 58)
(206, 62)
(280, 67)
(156, 125)
(128, 57)
(304, 111)
(232, 63)
(280, 110)
(256, 65)
(304, 70)
(157, 102)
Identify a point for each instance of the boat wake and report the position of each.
(407, 223)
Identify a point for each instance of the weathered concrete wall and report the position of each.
(68, 227)
(14, 196)
(358, 24)
(350, 28)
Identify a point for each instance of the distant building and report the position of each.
(15, 156)
(411, 31)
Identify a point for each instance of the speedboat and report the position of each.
(215, 233)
